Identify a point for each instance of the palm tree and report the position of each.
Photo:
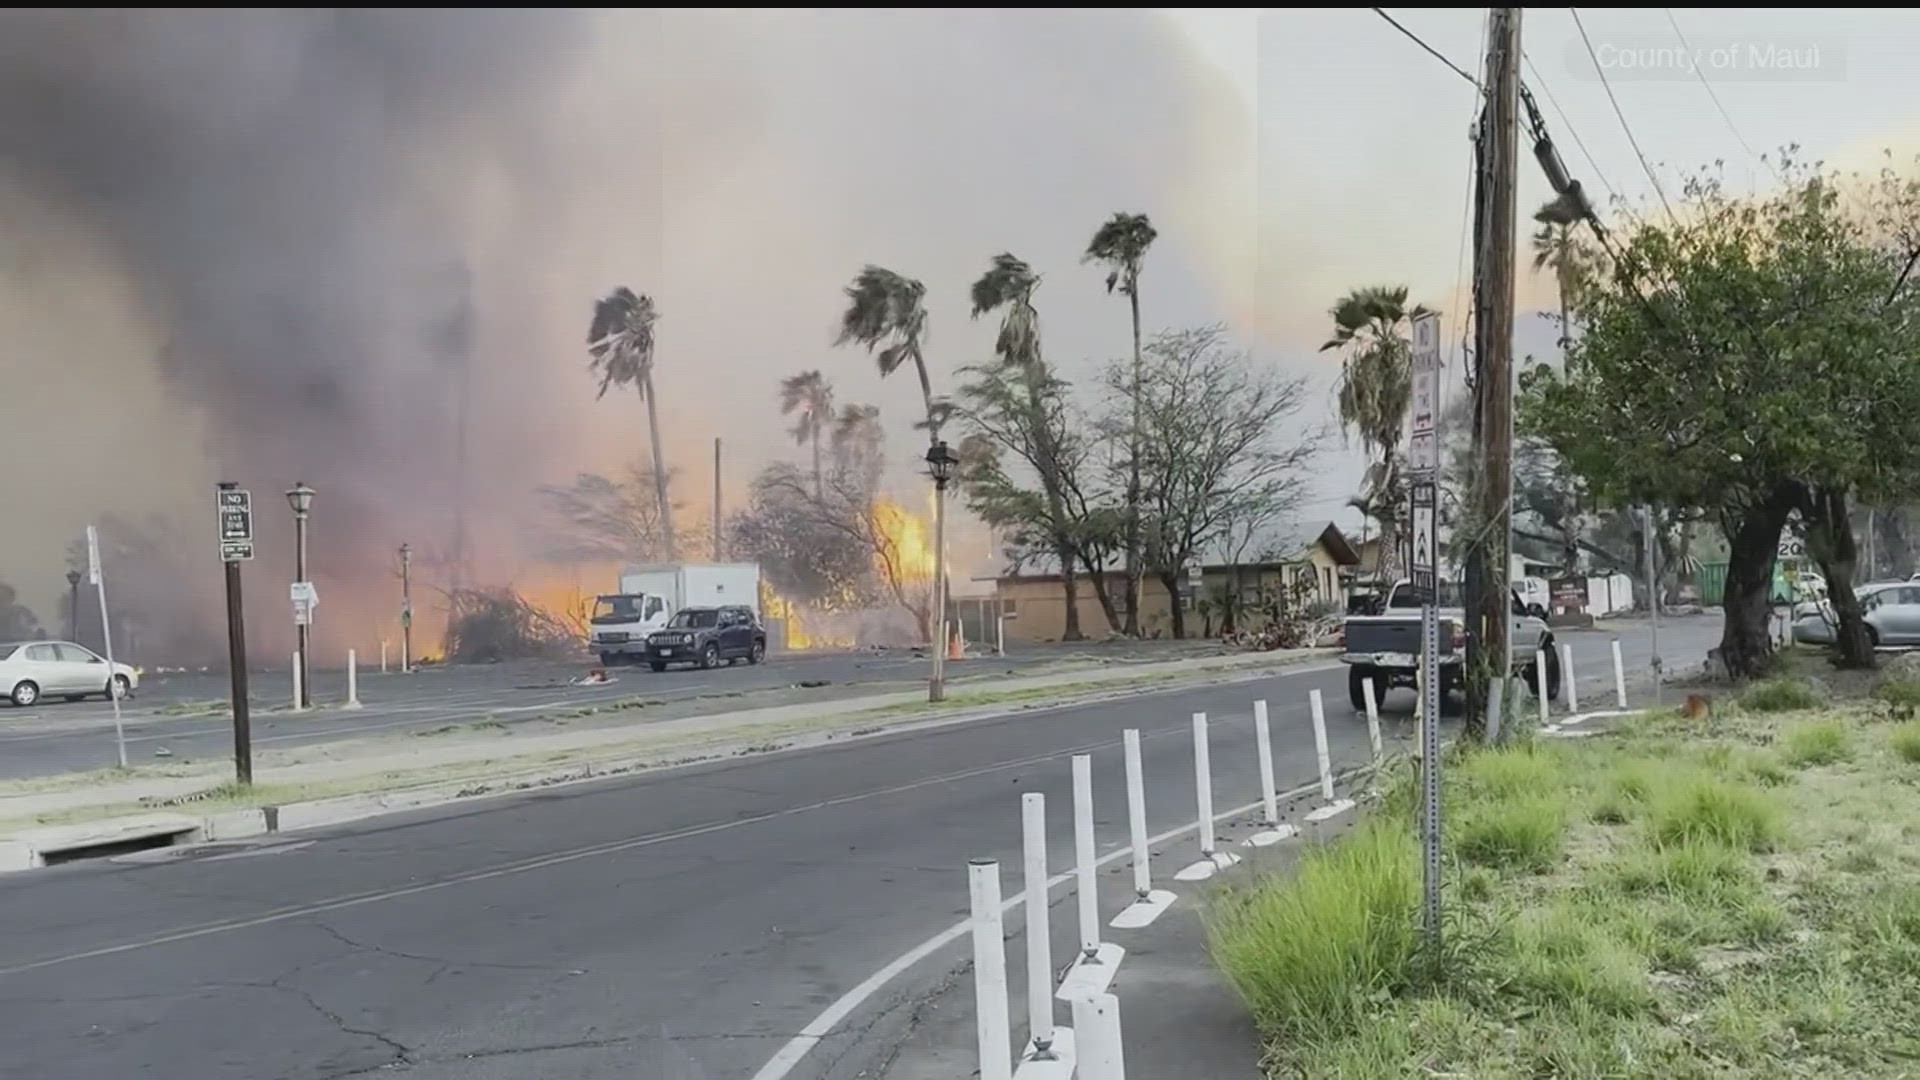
(1121, 246)
(857, 431)
(811, 395)
(620, 351)
(1555, 248)
(1009, 284)
(1375, 391)
(887, 313)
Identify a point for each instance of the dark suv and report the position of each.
(707, 635)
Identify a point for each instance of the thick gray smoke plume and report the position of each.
(281, 246)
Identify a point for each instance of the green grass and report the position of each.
(1780, 695)
(1620, 907)
(1817, 742)
(1513, 833)
(1905, 740)
(1313, 953)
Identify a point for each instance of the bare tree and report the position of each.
(603, 519)
(1214, 446)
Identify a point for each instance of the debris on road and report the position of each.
(810, 684)
(161, 751)
(596, 677)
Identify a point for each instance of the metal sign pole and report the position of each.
(1424, 457)
(236, 546)
(99, 583)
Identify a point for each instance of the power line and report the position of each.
(1709, 86)
(1571, 130)
(1635, 143)
(1431, 51)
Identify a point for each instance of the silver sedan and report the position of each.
(31, 670)
(1892, 612)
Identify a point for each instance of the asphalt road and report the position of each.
(184, 713)
(681, 926)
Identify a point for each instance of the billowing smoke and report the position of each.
(358, 249)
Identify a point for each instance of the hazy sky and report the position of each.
(288, 197)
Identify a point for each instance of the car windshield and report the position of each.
(617, 609)
(1406, 596)
(8, 648)
(695, 619)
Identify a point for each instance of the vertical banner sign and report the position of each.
(1423, 454)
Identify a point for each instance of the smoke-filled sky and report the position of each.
(265, 246)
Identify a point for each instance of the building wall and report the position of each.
(1037, 606)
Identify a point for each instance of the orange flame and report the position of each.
(774, 606)
(908, 543)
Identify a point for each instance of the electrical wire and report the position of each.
(1431, 51)
(1709, 86)
(1624, 126)
(1571, 130)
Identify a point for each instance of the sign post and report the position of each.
(1423, 452)
(236, 546)
(98, 581)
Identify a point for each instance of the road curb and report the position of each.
(29, 849)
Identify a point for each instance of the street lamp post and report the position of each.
(940, 466)
(300, 497)
(406, 609)
(73, 606)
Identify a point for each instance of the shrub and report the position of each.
(1309, 951)
(1779, 695)
(1904, 692)
(1716, 811)
(1522, 833)
(1509, 772)
(1564, 958)
(1906, 740)
(1820, 742)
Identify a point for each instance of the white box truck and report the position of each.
(649, 596)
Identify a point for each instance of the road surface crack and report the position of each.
(441, 964)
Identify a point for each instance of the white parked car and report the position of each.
(31, 670)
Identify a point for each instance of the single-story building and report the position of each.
(1034, 605)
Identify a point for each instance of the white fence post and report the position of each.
(991, 1024)
(1096, 1029)
(1568, 680)
(1373, 717)
(1137, 816)
(1540, 684)
(1203, 783)
(1083, 856)
(1033, 817)
(353, 681)
(1263, 743)
(1619, 676)
(296, 682)
(383, 656)
(1320, 744)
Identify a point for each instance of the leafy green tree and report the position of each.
(1753, 358)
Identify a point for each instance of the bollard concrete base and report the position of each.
(1058, 1066)
(1089, 977)
(1270, 837)
(1142, 912)
(1322, 821)
(1207, 867)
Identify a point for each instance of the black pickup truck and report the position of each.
(1385, 649)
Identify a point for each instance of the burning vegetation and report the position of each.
(486, 625)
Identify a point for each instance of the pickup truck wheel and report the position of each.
(607, 659)
(1357, 678)
(658, 665)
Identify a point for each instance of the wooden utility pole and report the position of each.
(719, 551)
(1489, 621)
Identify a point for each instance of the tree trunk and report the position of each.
(659, 466)
(1132, 627)
(1172, 582)
(1070, 583)
(1097, 576)
(1034, 371)
(1753, 540)
(1831, 543)
(819, 491)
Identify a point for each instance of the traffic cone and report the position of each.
(956, 650)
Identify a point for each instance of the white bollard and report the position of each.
(1083, 856)
(1137, 816)
(1263, 744)
(1619, 676)
(1033, 818)
(1320, 745)
(1203, 783)
(383, 657)
(1096, 1027)
(1373, 717)
(1568, 680)
(1540, 684)
(353, 681)
(992, 1030)
(296, 682)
